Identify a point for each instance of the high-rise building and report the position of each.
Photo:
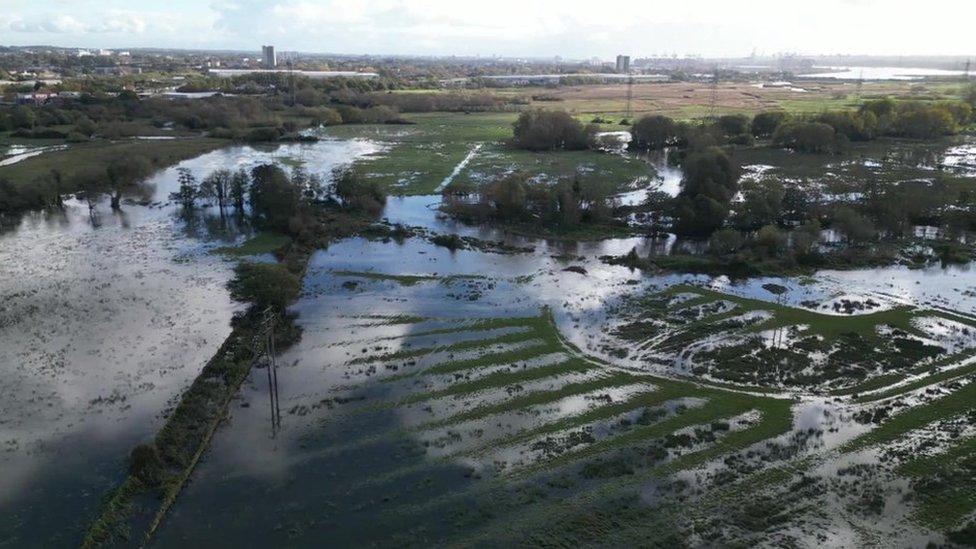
(268, 55)
(623, 63)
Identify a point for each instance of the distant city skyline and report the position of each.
(513, 28)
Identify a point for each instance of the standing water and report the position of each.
(104, 320)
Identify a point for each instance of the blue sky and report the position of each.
(570, 28)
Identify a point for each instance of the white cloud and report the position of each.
(572, 28)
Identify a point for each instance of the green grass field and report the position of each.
(420, 156)
(88, 157)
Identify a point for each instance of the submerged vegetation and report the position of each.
(493, 381)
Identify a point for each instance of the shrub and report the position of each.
(814, 137)
(764, 124)
(264, 285)
(146, 465)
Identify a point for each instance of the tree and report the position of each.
(507, 196)
(764, 124)
(813, 137)
(762, 204)
(924, 122)
(542, 130)
(358, 193)
(734, 124)
(23, 117)
(264, 285)
(122, 171)
(216, 186)
(710, 181)
(92, 184)
(770, 241)
(805, 238)
(188, 191)
(274, 199)
(309, 184)
(725, 242)
(239, 184)
(653, 132)
(856, 227)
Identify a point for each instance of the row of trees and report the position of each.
(275, 199)
(829, 131)
(240, 117)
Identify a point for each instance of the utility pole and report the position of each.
(291, 74)
(630, 98)
(264, 344)
(965, 75)
(713, 99)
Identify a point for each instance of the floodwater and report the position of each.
(103, 327)
(17, 153)
(351, 476)
(103, 322)
(880, 73)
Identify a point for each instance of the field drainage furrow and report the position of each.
(471, 345)
(491, 375)
(550, 513)
(966, 367)
(460, 408)
(463, 437)
(507, 400)
(509, 354)
(955, 403)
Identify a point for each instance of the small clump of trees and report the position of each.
(550, 130)
(517, 198)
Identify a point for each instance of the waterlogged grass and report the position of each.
(828, 326)
(945, 492)
(420, 156)
(403, 279)
(700, 406)
(916, 417)
(263, 243)
(938, 377)
(92, 157)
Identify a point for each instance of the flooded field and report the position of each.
(466, 397)
(522, 394)
(104, 321)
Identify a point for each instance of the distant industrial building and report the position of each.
(268, 56)
(623, 63)
(314, 75)
(554, 79)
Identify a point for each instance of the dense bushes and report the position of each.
(813, 137)
(832, 130)
(653, 132)
(264, 285)
(542, 130)
(764, 124)
(709, 183)
(357, 193)
(516, 198)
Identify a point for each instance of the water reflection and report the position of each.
(102, 325)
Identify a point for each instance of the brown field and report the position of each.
(694, 99)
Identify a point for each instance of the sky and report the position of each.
(530, 28)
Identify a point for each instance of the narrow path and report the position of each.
(457, 169)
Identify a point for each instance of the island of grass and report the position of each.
(740, 340)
